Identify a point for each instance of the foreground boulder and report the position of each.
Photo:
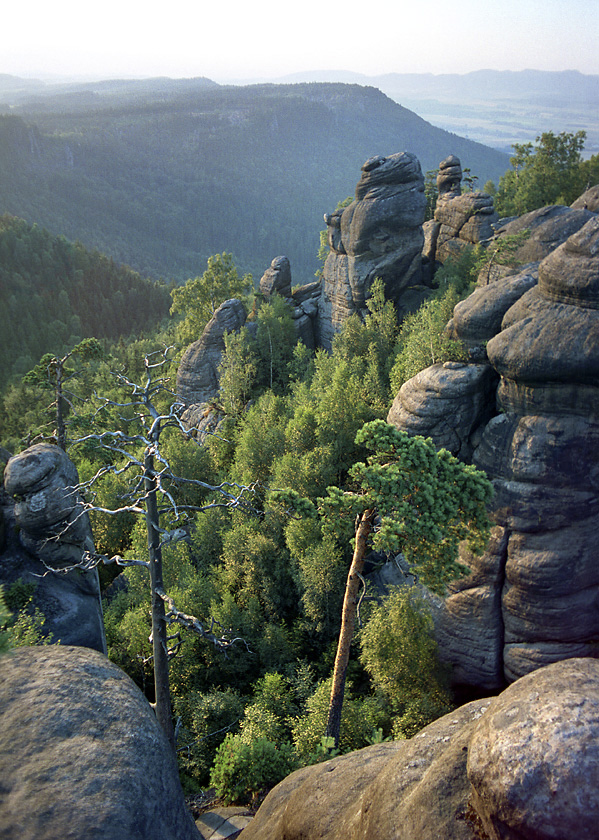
(46, 532)
(524, 765)
(81, 753)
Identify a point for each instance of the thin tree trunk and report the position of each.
(159, 641)
(348, 623)
(61, 433)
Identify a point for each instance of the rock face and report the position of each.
(460, 218)
(548, 228)
(46, 529)
(523, 765)
(303, 301)
(81, 753)
(197, 377)
(378, 235)
(532, 598)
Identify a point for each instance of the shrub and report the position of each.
(241, 771)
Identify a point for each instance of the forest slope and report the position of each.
(162, 177)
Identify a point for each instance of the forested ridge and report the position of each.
(162, 181)
(55, 292)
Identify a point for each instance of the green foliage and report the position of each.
(21, 624)
(4, 618)
(206, 718)
(275, 342)
(244, 770)
(360, 717)
(201, 296)
(428, 501)
(237, 371)
(422, 340)
(398, 650)
(431, 193)
(55, 293)
(551, 172)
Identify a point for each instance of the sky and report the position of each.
(253, 39)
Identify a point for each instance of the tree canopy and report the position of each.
(550, 172)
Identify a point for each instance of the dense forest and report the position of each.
(162, 181)
(55, 292)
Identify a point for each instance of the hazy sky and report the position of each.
(268, 38)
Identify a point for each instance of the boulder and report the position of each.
(520, 766)
(82, 754)
(533, 758)
(414, 790)
(479, 317)
(589, 200)
(378, 235)
(447, 402)
(197, 377)
(46, 533)
(548, 228)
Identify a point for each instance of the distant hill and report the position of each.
(160, 174)
(494, 107)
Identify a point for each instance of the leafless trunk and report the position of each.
(348, 622)
(159, 629)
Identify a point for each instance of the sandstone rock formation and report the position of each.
(521, 765)
(533, 756)
(197, 377)
(532, 598)
(303, 300)
(46, 529)
(449, 177)
(378, 235)
(589, 200)
(82, 754)
(547, 228)
(460, 218)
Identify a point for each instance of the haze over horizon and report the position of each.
(268, 39)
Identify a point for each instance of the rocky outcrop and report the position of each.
(533, 759)
(532, 598)
(378, 235)
(448, 402)
(547, 229)
(82, 754)
(302, 301)
(197, 377)
(449, 177)
(46, 532)
(589, 200)
(522, 765)
(460, 218)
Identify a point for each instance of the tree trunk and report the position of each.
(348, 622)
(159, 641)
